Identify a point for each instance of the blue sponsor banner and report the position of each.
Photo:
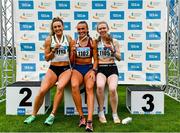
(26, 4)
(134, 25)
(62, 5)
(121, 77)
(27, 46)
(153, 35)
(153, 77)
(85, 110)
(117, 35)
(43, 36)
(117, 15)
(122, 56)
(153, 56)
(41, 57)
(153, 14)
(81, 15)
(29, 26)
(67, 25)
(21, 111)
(28, 67)
(94, 25)
(135, 4)
(70, 110)
(41, 76)
(136, 46)
(99, 4)
(134, 66)
(75, 35)
(44, 15)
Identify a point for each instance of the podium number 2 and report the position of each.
(149, 102)
(28, 95)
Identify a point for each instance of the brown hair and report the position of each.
(109, 38)
(56, 19)
(84, 22)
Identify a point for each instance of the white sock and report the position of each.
(101, 113)
(52, 115)
(115, 115)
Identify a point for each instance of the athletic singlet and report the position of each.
(84, 52)
(62, 53)
(104, 52)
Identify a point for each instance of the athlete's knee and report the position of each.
(89, 89)
(60, 89)
(112, 92)
(100, 90)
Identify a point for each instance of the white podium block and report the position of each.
(70, 108)
(20, 98)
(145, 100)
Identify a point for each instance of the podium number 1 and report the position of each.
(149, 102)
(28, 95)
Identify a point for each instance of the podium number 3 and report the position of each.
(28, 95)
(150, 102)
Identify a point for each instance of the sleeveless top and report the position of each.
(84, 52)
(62, 53)
(104, 52)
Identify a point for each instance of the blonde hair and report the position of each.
(56, 19)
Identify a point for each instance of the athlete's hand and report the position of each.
(92, 75)
(57, 46)
(110, 47)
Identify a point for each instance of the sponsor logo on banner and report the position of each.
(153, 35)
(153, 45)
(64, 15)
(122, 56)
(152, 67)
(27, 26)
(44, 26)
(153, 56)
(67, 25)
(116, 15)
(26, 15)
(134, 77)
(153, 77)
(62, 5)
(114, 5)
(135, 15)
(135, 56)
(94, 25)
(26, 4)
(28, 67)
(136, 46)
(135, 4)
(121, 77)
(117, 35)
(42, 15)
(134, 25)
(81, 5)
(135, 36)
(153, 14)
(70, 110)
(153, 25)
(28, 57)
(116, 26)
(81, 15)
(27, 46)
(29, 76)
(134, 66)
(99, 4)
(41, 76)
(153, 4)
(99, 15)
(27, 37)
(21, 111)
(43, 66)
(44, 5)
(76, 35)
(41, 57)
(85, 110)
(43, 36)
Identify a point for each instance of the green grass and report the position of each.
(169, 122)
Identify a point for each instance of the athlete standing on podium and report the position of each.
(84, 50)
(57, 47)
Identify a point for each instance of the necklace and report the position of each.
(61, 40)
(78, 41)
